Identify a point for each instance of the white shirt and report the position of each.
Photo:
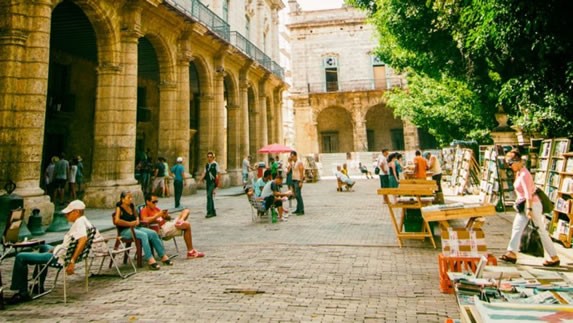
(77, 231)
(383, 164)
(267, 190)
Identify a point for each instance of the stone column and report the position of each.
(181, 119)
(411, 138)
(271, 120)
(24, 63)
(262, 125)
(234, 153)
(306, 140)
(218, 121)
(359, 123)
(206, 130)
(244, 139)
(115, 124)
(279, 117)
(170, 134)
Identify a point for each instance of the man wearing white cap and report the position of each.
(177, 170)
(80, 224)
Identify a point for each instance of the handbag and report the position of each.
(545, 201)
(530, 241)
(377, 170)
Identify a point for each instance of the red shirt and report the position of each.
(421, 166)
(147, 212)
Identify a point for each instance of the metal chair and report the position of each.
(54, 263)
(121, 242)
(112, 253)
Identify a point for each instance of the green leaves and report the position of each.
(476, 55)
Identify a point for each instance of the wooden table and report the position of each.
(408, 198)
(470, 212)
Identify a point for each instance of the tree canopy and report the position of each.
(465, 59)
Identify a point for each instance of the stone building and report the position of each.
(338, 85)
(111, 79)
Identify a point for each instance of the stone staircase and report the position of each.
(328, 163)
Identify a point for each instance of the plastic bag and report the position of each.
(530, 241)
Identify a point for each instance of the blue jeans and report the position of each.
(20, 270)
(298, 196)
(146, 236)
(178, 187)
(210, 202)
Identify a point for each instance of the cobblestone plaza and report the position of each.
(340, 262)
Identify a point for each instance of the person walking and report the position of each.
(177, 170)
(246, 169)
(532, 209)
(211, 178)
(297, 180)
(61, 172)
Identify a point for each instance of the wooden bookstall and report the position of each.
(556, 164)
(543, 163)
(496, 186)
(561, 227)
(465, 171)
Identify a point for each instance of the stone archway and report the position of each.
(201, 100)
(71, 92)
(383, 130)
(335, 130)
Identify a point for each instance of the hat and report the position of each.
(74, 205)
(179, 159)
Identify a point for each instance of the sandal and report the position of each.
(154, 266)
(552, 263)
(509, 259)
(167, 262)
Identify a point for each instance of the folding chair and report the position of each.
(120, 241)
(11, 234)
(10, 241)
(112, 253)
(258, 210)
(36, 280)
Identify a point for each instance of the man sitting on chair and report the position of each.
(151, 214)
(80, 224)
(343, 179)
(273, 196)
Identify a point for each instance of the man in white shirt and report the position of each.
(383, 165)
(75, 214)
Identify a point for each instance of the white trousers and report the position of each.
(520, 222)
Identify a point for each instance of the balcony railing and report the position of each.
(199, 12)
(357, 85)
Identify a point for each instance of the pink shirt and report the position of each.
(524, 186)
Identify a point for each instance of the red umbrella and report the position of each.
(275, 148)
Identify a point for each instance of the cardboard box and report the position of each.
(463, 243)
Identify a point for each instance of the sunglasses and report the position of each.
(512, 161)
(154, 202)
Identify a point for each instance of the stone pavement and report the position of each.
(338, 263)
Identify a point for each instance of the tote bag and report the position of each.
(530, 241)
